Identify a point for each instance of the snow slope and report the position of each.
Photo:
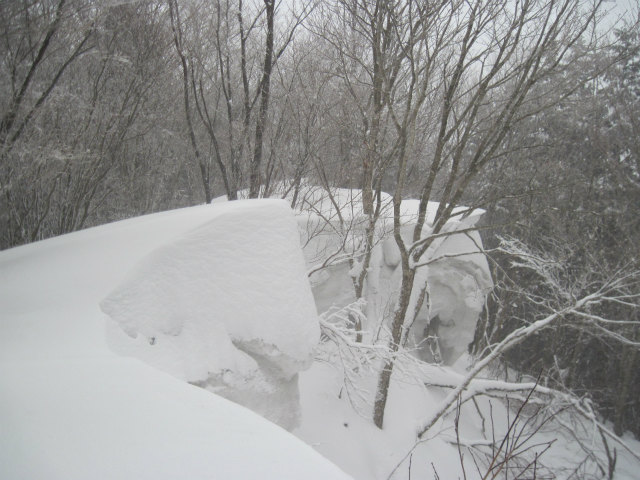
(71, 408)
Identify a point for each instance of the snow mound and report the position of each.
(456, 272)
(227, 307)
(72, 409)
(459, 281)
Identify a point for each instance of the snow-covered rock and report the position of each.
(226, 307)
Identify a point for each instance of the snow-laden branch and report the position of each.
(587, 412)
(355, 357)
(448, 232)
(606, 321)
(509, 341)
(337, 326)
(449, 256)
(617, 337)
(490, 387)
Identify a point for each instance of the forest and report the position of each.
(526, 109)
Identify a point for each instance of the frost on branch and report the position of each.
(358, 361)
(561, 297)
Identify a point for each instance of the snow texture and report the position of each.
(71, 408)
(457, 275)
(226, 307)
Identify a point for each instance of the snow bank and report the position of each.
(226, 307)
(458, 287)
(71, 408)
(458, 279)
(457, 276)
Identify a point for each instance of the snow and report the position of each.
(459, 281)
(72, 408)
(84, 395)
(349, 438)
(230, 274)
(117, 418)
(456, 273)
(317, 201)
(227, 307)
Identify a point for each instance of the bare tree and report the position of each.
(29, 31)
(178, 39)
(84, 122)
(227, 87)
(461, 73)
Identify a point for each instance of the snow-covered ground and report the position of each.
(71, 408)
(101, 331)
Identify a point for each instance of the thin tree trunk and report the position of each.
(177, 38)
(382, 391)
(254, 173)
(628, 368)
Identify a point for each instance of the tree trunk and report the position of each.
(628, 367)
(254, 174)
(384, 380)
(177, 39)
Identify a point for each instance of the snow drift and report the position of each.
(456, 272)
(226, 307)
(71, 408)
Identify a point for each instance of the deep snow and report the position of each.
(456, 273)
(71, 408)
(227, 307)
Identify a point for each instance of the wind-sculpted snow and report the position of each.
(226, 307)
(72, 409)
(459, 281)
(455, 271)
